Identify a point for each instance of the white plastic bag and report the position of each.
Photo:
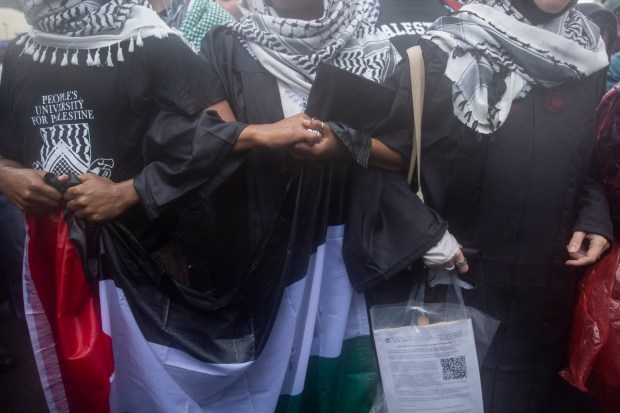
(427, 350)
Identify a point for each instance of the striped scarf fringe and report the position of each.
(42, 53)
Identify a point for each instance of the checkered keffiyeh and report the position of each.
(489, 43)
(200, 18)
(61, 29)
(291, 49)
(78, 18)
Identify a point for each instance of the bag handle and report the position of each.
(416, 70)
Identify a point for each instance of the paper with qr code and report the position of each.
(430, 368)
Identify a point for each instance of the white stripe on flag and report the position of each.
(150, 377)
(154, 378)
(43, 343)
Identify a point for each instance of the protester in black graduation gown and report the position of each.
(78, 95)
(505, 160)
(330, 198)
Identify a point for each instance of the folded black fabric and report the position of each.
(357, 142)
(387, 227)
(340, 96)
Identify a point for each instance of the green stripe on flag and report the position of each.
(344, 384)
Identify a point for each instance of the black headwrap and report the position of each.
(536, 16)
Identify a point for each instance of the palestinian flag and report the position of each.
(277, 327)
(73, 355)
(138, 341)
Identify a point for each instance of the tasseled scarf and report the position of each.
(496, 55)
(292, 49)
(96, 27)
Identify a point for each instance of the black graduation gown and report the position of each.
(279, 209)
(516, 197)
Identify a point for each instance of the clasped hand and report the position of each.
(306, 138)
(95, 199)
(27, 190)
(326, 146)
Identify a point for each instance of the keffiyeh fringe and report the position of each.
(92, 57)
(95, 50)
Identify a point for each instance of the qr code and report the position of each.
(454, 368)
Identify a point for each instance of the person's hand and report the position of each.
(585, 248)
(98, 199)
(458, 261)
(328, 145)
(446, 254)
(287, 132)
(27, 190)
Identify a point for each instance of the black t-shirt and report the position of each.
(403, 21)
(80, 118)
(93, 119)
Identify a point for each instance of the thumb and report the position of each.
(576, 241)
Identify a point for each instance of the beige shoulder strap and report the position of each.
(416, 67)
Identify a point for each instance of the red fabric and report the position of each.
(607, 150)
(595, 339)
(71, 305)
(454, 4)
(594, 364)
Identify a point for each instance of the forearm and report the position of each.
(7, 166)
(126, 195)
(251, 137)
(289, 132)
(9, 163)
(383, 157)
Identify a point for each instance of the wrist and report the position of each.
(126, 194)
(251, 137)
(5, 176)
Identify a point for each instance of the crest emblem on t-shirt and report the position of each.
(67, 149)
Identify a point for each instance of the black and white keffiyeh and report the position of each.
(76, 17)
(489, 42)
(65, 27)
(292, 49)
